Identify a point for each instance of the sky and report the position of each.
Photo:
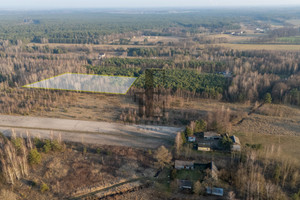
(50, 4)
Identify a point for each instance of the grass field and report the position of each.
(275, 127)
(192, 175)
(230, 38)
(283, 146)
(291, 40)
(295, 22)
(270, 47)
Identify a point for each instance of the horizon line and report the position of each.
(150, 8)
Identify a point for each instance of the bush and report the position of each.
(98, 150)
(38, 143)
(189, 131)
(34, 157)
(47, 146)
(200, 126)
(173, 174)
(268, 98)
(18, 142)
(183, 137)
(44, 187)
(226, 143)
(254, 146)
(296, 196)
(56, 146)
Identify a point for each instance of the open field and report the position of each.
(286, 147)
(269, 47)
(165, 39)
(230, 38)
(295, 22)
(276, 127)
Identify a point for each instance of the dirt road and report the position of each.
(90, 132)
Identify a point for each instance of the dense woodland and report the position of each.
(253, 74)
(82, 27)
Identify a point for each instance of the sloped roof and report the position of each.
(235, 139)
(183, 163)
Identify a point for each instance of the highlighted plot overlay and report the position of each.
(86, 83)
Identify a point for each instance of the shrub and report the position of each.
(98, 150)
(38, 143)
(226, 143)
(296, 196)
(47, 146)
(34, 157)
(254, 146)
(17, 142)
(189, 131)
(200, 126)
(44, 187)
(268, 98)
(56, 146)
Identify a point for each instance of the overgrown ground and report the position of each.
(79, 168)
(270, 125)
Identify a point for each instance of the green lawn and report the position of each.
(192, 175)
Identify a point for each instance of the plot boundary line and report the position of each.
(30, 87)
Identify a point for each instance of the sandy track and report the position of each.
(89, 132)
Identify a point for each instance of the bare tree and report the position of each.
(163, 157)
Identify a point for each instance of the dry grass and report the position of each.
(281, 146)
(86, 106)
(72, 170)
(295, 22)
(270, 47)
(284, 124)
(273, 126)
(230, 38)
(154, 39)
(278, 111)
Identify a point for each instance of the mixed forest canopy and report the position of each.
(194, 59)
(96, 27)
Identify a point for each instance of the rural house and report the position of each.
(180, 164)
(236, 146)
(210, 135)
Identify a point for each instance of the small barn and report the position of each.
(180, 164)
(210, 135)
